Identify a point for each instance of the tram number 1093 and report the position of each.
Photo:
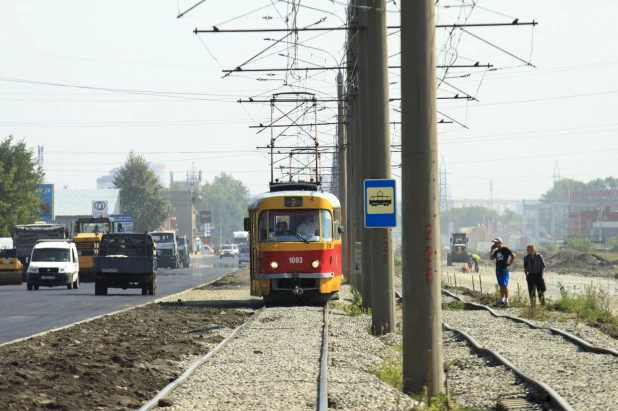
(296, 260)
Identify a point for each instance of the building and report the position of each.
(549, 221)
(593, 212)
(71, 204)
(161, 171)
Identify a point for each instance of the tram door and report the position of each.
(253, 246)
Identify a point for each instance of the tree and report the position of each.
(20, 178)
(142, 195)
(473, 215)
(228, 199)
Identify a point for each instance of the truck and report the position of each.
(126, 260)
(26, 236)
(87, 234)
(459, 249)
(241, 237)
(167, 249)
(183, 251)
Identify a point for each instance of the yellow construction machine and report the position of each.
(87, 234)
(10, 267)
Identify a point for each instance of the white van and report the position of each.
(53, 263)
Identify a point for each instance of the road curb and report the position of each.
(158, 300)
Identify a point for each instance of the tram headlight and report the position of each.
(315, 264)
(274, 265)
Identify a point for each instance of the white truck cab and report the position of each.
(53, 263)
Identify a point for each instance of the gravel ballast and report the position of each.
(273, 364)
(587, 381)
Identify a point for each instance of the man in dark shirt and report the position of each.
(501, 255)
(534, 267)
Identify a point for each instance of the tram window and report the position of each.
(284, 225)
(263, 227)
(327, 225)
(337, 223)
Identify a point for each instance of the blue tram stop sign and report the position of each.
(380, 204)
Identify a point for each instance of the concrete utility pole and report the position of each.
(422, 315)
(365, 147)
(379, 152)
(342, 166)
(353, 151)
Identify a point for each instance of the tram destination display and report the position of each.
(293, 201)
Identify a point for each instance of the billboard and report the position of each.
(205, 217)
(125, 219)
(46, 205)
(593, 194)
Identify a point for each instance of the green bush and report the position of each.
(355, 308)
(391, 372)
(613, 244)
(581, 244)
(552, 247)
(398, 265)
(592, 305)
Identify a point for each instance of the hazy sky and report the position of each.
(148, 84)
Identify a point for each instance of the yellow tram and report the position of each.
(295, 241)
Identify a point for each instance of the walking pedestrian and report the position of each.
(502, 254)
(534, 267)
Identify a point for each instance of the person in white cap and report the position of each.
(501, 255)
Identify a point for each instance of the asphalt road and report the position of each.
(24, 313)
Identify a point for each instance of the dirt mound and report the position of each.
(584, 263)
(112, 363)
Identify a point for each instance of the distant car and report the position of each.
(245, 255)
(227, 250)
(235, 250)
(206, 249)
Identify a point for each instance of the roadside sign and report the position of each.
(47, 202)
(380, 204)
(125, 219)
(205, 217)
(100, 208)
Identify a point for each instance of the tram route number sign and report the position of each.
(292, 201)
(380, 203)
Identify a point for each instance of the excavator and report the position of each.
(87, 235)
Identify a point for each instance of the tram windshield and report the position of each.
(295, 226)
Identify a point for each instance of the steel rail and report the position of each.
(557, 401)
(177, 382)
(572, 338)
(322, 385)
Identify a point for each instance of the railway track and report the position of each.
(572, 372)
(275, 352)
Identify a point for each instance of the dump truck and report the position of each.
(10, 267)
(87, 234)
(167, 249)
(459, 249)
(26, 236)
(126, 260)
(183, 251)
